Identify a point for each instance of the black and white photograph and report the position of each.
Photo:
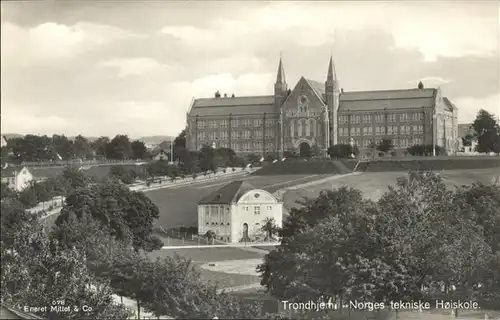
(324, 160)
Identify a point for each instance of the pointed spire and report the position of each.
(332, 73)
(280, 78)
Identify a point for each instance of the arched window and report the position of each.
(292, 128)
(308, 128)
(313, 127)
(299, 128)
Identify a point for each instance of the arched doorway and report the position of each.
(305, 150)
(245, 237)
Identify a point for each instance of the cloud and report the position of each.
(412, 25)
(50, 41)
(431, 81)
(468, 107)
(134, 66)
(31, 123)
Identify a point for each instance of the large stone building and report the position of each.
(322, 114)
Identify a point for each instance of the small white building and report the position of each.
(17, 178)
(4, 142)
(160, 155)
(237, 212)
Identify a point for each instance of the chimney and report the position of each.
(225, 95)
(217, 94)
(232, 96)
(341, 90)
(420, 85)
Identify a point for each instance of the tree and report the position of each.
(210, 235)
(129, 215)
(487, 131)
(418, 238)
(119, 148)
(316, 151)
(63, 147)
(74, 179)
(6, 192)
(36, 271)
(207, 158)
(467, 140)
(28, 197)
(180, 140)
(82, 147)
(385, 145)
(123, 174)
(253, 158)
(342, 151)
(270, 228)
(5, 155)
(100, 147)
(138, 149)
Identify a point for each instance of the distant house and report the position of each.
(7, 312)
(17, 178)
(159, 155)
(237, 212)
(4, 142)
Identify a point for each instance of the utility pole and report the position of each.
(172, 149)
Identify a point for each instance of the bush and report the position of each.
(234, 169)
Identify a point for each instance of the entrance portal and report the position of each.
(305, 150)
(245, 237)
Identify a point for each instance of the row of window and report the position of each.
(251, 146)
(380, 130)
(398, 143)
(223, 135)
(303, 127)
(224, 123)
(380, 118)
(256, 209)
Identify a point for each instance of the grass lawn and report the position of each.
(204, 255)
(374, 184)
(266, 248)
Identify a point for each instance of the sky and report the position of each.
(106, 67)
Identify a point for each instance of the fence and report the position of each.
(59, 163)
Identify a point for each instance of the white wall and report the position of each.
(239, 213)
(20, 180)
(253, 211)
(218, 218)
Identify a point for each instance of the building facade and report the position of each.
(237, 212)
(322, 114)
(17, 178)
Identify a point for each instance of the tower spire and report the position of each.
(280, 78)
(332, 73)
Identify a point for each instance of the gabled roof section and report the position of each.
(387, 99)
(228, 194)
(10, 171)
(385, 94)
(232, 105)
(451, 107)
(318, 88)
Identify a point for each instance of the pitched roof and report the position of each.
(390, 99)
(238, 105)
(319, 88)
(450, 105)
(9, 171)
(228, 194)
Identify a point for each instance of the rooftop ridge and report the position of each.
(390, 90)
